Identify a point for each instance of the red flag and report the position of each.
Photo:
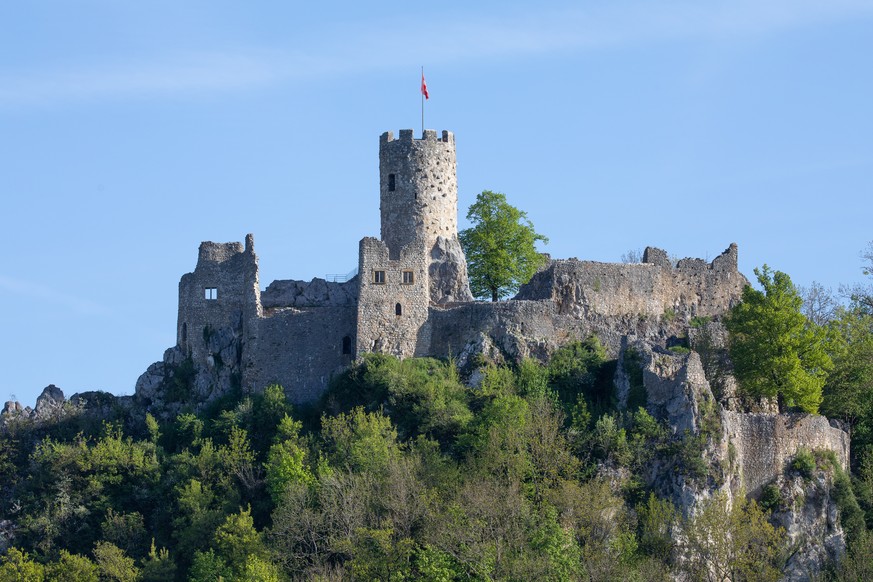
(424, 87)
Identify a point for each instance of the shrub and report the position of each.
(804, 463)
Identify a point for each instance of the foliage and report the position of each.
(500, 246)
(113, 564)
(18, 566)
(804, 463)
(401, 473)
(848, 391)
(421, 395)
(730, 543)
(580, 368)
(776, 351)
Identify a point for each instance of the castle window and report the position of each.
(408, 278)
(211, 293)
(379, 277)
(184, 333)
(398, 309)
(347, 345)
(392, 185)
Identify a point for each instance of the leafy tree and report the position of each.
(113, 564)
(360, 441)
(500, 246)
(258, 569)
(575, 368)
(848, 392)
(158, 566)
(736, 543)
(857, 565)
(17, 566)
(236, 539)
(208, 567)
(775, 349)
(286, 465)
(71, 568)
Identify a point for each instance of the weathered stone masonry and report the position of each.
(411, 296)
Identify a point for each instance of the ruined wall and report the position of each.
(651, 289)
(418, 193)
(301, 349)
(231, 272)
(380, 328)
(764, 443)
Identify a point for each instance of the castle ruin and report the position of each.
(411, 296)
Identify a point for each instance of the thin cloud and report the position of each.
(39, 291)
(474, 38)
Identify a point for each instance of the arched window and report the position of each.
(347, 345)
(398, 309)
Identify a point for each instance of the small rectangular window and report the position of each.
(408, 278)
(391, 183)
(211, 293)
(379, 277)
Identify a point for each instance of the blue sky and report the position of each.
(131, 131)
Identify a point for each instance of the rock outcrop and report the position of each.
(747, 453)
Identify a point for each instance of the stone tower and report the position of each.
(419, 204)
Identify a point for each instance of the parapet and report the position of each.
(408, 135)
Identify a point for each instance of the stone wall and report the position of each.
(651, 289)
(301, 349)
(230, 271)
(764, 443)
(391, 311)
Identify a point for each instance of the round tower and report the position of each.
(418, 189)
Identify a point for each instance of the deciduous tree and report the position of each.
(775, 349)
(500, 246)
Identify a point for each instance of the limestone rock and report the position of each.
(677, 389)
(810, 517)
(11, 408)
(315, 293)
(50, 403)
(448, 272)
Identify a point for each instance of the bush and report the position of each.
(771, 498)
(804, 463)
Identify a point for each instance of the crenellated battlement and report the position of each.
(408, 136)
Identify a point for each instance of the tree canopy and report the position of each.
(775, 349)
(500, 247)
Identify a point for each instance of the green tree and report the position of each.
(113, 564)
(17, 566)
(209, 567)
(237, 539)
(736, 543)
(848, 392)
(500, 246)
(158, 566)
(71, 568)
(775, 349)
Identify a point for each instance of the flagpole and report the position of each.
(422, 103)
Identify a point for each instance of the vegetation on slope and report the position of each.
(401, 473)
